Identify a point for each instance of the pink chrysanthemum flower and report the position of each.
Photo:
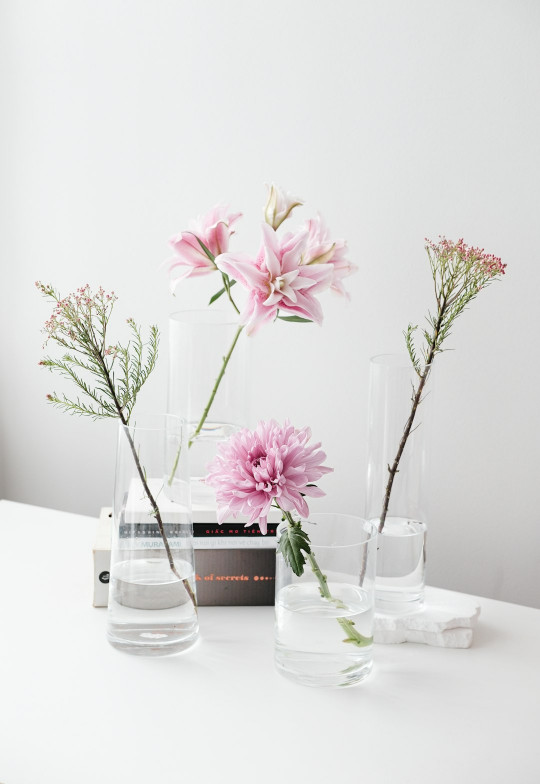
(271, 464)
(214, 230)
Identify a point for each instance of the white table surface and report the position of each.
(74, 710)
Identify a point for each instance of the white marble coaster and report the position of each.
(446, 620)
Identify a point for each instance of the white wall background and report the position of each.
(397, 120)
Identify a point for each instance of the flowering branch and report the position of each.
(459, 273)
(282, 281)
(79, 325)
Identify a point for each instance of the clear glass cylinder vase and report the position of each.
(396, 480)
(207, 386)
(324, 617)
(152, 607)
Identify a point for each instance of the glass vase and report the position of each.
(207, 386)
(397, 498)
(324, 618)
(152, 607)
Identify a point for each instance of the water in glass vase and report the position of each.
(150, 610)
(309, 644)
(401, 557)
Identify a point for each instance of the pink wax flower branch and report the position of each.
(107, 378)
(275, 466)
(459, 272)
(282, 281)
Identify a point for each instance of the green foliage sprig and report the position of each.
(79, 324)
(459, 273)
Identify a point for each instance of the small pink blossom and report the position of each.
(279, 206)
(214, 230)
(483, 264)
(77, 307)
(321, 249)
(271, 464)
(277, 279)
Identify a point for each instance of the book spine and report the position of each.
(234, 535)
(232, 543)
(236, 530)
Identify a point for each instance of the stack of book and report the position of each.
(234, 565)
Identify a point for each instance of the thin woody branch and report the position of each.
(459, 273)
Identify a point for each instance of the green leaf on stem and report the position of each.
(409, 342)
(296, 319)
(292, 542)
(205, 249)
(222, 291)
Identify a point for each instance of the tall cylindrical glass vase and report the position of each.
(207, 385)
(152, 604)
(398, 425)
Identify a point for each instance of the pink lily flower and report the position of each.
(277, 279)
(321, 249)
(214, 230)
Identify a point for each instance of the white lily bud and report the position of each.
(279, 206)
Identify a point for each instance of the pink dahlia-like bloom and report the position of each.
(277, 279)
(321, 249)
(214, 230)
(272, 463)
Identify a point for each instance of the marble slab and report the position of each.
(447, 620)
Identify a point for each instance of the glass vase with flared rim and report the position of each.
(152, 607)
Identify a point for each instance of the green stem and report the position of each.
(206, 411)
(227, 285)
(348, 626)
(175, 466)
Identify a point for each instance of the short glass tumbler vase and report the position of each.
(401, 553)
(152, 604)
(324, 630)
(207, 386)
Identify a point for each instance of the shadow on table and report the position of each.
(486, 635)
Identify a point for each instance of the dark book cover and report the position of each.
(235, 577)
